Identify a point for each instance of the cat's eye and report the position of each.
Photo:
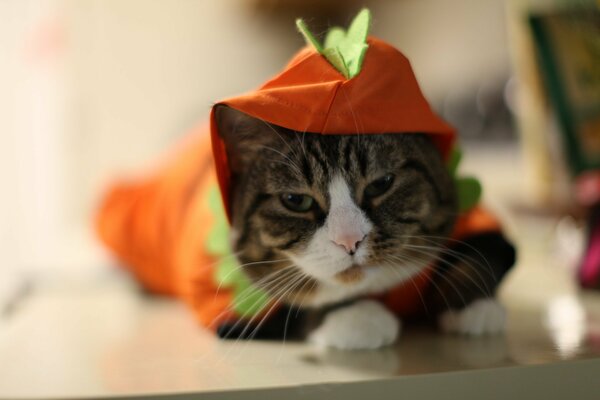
(297, 202)
(379, 186)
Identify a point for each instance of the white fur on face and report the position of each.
(346, 222)
(323, 258)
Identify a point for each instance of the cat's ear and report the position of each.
(243, 136)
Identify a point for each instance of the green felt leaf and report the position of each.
(217, 242)
(308, 36)
(334, 37)
(455, 158)
(335, 57)
(468, 189)
(355, 46)
(355, 62)
(359, 27)
(469, 192)
(225, 273)
(249, 302)
(345, 50)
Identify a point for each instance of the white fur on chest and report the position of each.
(323, 258)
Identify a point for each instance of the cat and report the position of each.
(340, 196)
(327, 224)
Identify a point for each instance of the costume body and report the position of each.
(168, 230)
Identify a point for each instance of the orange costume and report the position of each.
(160, 226)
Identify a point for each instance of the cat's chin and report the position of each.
(351, 275)
(354, 281)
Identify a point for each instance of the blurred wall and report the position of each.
(98, 87)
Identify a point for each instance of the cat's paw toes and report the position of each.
(364, 325)
(482, 317)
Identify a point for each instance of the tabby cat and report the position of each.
(328, 224)
(338, 233)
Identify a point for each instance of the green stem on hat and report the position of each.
(345, 50)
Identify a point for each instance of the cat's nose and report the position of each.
(349, 242)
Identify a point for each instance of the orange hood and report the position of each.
(310, 95)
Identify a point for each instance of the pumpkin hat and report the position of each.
(351, 84)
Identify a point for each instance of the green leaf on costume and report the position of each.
(468, 191)
(455, 158)
(218, 239)
(247, 300)
(468, 188)
(345, 50)
(225, 273)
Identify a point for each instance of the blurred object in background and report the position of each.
(589, 273)
(568, 44)
(568, 48)
(556, 50)
(481, 114)
(321, 13)
(33, 158)
(557, 59)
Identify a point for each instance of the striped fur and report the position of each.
(267, 161)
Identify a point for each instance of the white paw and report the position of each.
(482, 317)
(363, 325)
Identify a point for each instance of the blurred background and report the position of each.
(92, 89)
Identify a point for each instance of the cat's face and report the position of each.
(319, 219)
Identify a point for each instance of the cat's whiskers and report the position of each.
(248, 321)
(310, 289)
(249, 291)
(439, 258)
(410, 278)
(405, 258)
(302, 144)
(278, 134)
(292, 302)
(292, 164)
(265, 283)
(211, 265)
(430, 279)
(443, 240)
(239, 267)
(265, 287)
(298, 307)
(280, 296)
(465, 260)
(442, 276)
(264, 315)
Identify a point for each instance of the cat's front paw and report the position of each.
(482, 317)
(363, 325)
